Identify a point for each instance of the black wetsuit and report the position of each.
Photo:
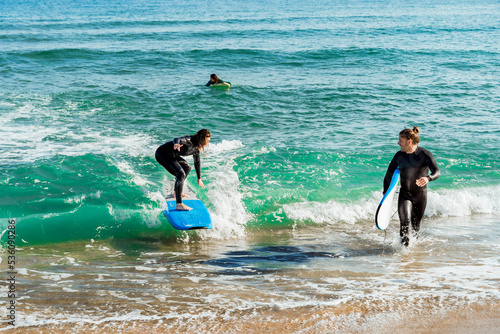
(412, 198)
(172, 161)
(210, 83)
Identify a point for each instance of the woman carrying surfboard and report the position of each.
(170, 154)
(414, 163)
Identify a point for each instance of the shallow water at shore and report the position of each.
(345, 277)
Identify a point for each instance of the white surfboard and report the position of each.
(222, 85)
(384, 213)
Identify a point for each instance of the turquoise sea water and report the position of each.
(320, 93)
(302, 139)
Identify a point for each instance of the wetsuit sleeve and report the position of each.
(197, 164)
(390, 171)
(209, 83)
(182, 140)
(431, 162)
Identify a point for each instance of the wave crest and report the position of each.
(441, 203)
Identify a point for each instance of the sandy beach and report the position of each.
(478, 319)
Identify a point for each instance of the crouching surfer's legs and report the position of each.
(180, 168)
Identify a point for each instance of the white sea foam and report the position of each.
(29, 144)
(137, 179)
(444, 202)
(331, 211)
(56, 277)
(464, 202)
(78, 199)
(227, 210)
(150, 210)
(223, 147)
(52, 136)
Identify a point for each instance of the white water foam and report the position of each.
(464, 202)
(229, 215)
(440, 203)
(51, 135)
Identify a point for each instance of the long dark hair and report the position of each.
(199, 139)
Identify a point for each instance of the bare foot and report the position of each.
(183, 195)
(182, 207)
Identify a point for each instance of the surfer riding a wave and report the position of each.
(169, 155)
(414, 163)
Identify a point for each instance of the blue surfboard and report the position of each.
(198, 218)
(383, 214)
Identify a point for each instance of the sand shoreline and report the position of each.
(476, 319)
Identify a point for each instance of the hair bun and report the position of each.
(415, 129)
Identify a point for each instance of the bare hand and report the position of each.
(422, 181)
(200, 183)
(177, 147)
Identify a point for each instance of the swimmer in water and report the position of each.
(169, 155)
(414, 163)
(214, 79)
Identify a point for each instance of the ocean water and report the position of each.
(293, 174)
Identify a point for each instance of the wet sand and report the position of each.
(477, 319)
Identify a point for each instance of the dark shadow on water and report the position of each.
(271, 259)
(264, 260)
